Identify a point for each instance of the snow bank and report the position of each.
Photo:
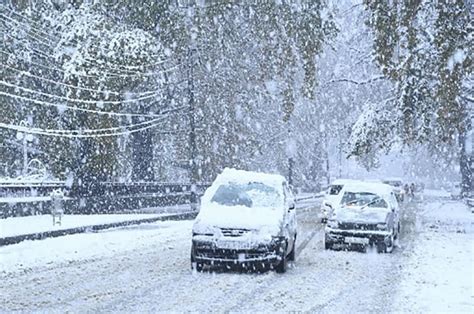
(29, 254)
(33, 224)
(438, 275)
(436, 193)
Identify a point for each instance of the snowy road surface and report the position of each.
(147, 268)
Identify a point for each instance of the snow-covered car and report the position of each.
(333, 197)
(368, 215)
(247, 219)
(397, 186)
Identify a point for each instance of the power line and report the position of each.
(52, 68)
(58, 37)
(22, 72)
(11, 22)
(130, 69)
(77, 100)
(72, 133)
(29, 24)
(106, 92)
(60, 106)
(98, 65)
(89, 133)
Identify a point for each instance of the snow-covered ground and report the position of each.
(436, 193)
(29, 255)
(438, 275)
(33, 224)
(146, 268)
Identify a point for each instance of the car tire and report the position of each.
(327, 245)
(292, 255)
(282, 265)
(194, 265)
(384, 248)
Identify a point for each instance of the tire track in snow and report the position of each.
(273, 277)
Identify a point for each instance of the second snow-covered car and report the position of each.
(247, 219)
(333, 197)
(368, 215)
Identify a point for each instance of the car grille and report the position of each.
(232, 254)
(356, 226)
(233, 232)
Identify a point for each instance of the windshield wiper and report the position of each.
(375, 200)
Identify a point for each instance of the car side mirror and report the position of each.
(291, 207)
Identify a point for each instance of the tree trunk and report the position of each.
(465, 164)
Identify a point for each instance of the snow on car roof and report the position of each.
(371, 187)
(244, 177)
(343, 181)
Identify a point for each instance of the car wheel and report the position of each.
(194, 265)
(327, 245)
(382, 247)
(292, 255)
(281, 266)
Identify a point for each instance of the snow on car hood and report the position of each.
(264, 221)
(360, 214)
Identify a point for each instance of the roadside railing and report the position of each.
(23, 199)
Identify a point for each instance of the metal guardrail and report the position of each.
(108, 197)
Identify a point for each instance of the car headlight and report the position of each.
(203, 230)
(382, 226)
(332, 223)
(202, 234)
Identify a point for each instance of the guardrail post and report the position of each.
(57, 210)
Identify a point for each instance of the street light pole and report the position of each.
(290, 158)
(24, 123)
(192, 131)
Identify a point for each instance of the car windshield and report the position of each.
(335, 189)
(254, 194)
(363, 199)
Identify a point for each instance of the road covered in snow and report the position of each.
(147, 268)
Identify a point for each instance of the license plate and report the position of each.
(233, 245)
(355, 240)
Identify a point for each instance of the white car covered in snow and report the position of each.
(247, 219)
(333, 197)
(368, 215)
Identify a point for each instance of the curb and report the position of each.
(92, 228)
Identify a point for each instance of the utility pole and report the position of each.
(290, 158)
(25, 148)
(193, 175)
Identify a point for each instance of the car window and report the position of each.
(254, 194)
(378, 203)
(358, 198)
(335, 189)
